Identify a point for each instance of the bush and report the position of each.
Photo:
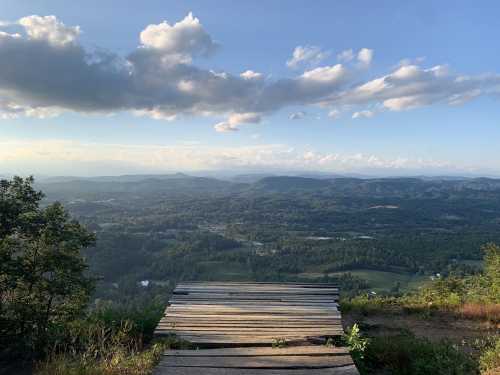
(490, 359)
(408, 355)
(109, 341)
(116, 362)
(355, 342)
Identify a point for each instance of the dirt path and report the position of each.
(433, 328)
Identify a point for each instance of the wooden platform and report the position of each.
(251, 313)
(244, 319)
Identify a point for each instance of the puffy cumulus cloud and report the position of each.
(306, 55)
(44, 154)
(49, 28)
(346, 55)
(365, 56)
(159, 79)
(181, 41)
(236, 119)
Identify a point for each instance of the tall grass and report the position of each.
(110, 341)
(490, 359)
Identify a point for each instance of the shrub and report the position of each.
(355, 342)
(116, 362)
(489, 361)
(408, 355)
(109, 341)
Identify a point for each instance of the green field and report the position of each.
(379, 281)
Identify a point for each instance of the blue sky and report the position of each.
(411, 87)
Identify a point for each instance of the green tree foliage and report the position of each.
(492, 271)
(43, 281)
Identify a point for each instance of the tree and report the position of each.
(492, 271)
(43, 280)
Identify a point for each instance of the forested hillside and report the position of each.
(388, 234)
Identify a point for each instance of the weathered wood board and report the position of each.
(251, 313)
(253, 316)
(299, 360)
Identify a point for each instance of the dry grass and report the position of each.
(116, 363)
(476, 311)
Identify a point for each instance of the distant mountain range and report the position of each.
(181, 184)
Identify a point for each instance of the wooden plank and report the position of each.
(254, 317)
(248, 309)
(253, 323)
(253, 307)
(308, 304)
(310, 350)
(344, 370)
(305, 288)
(242, 340)
(289, 283)
(294, 362)
(253, 314)
(251, 302)
(240, 337)
(244, 290)
(246, 324)
(243, 285)
(255, 298)
(277, 332)
(256, 327)
(257, 295)
(247, 288)
(287, 292)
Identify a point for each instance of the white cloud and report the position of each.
(158, 79)
(346, 55)
(411, 86)
(180, 42)
(334, 114)
(405, 102)
(297, 115)
(46, 156)
(250, 74)
(306, 55)
(365, 56)
(363, 114)
(49, 28)
(326, 73)
(236, 119)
